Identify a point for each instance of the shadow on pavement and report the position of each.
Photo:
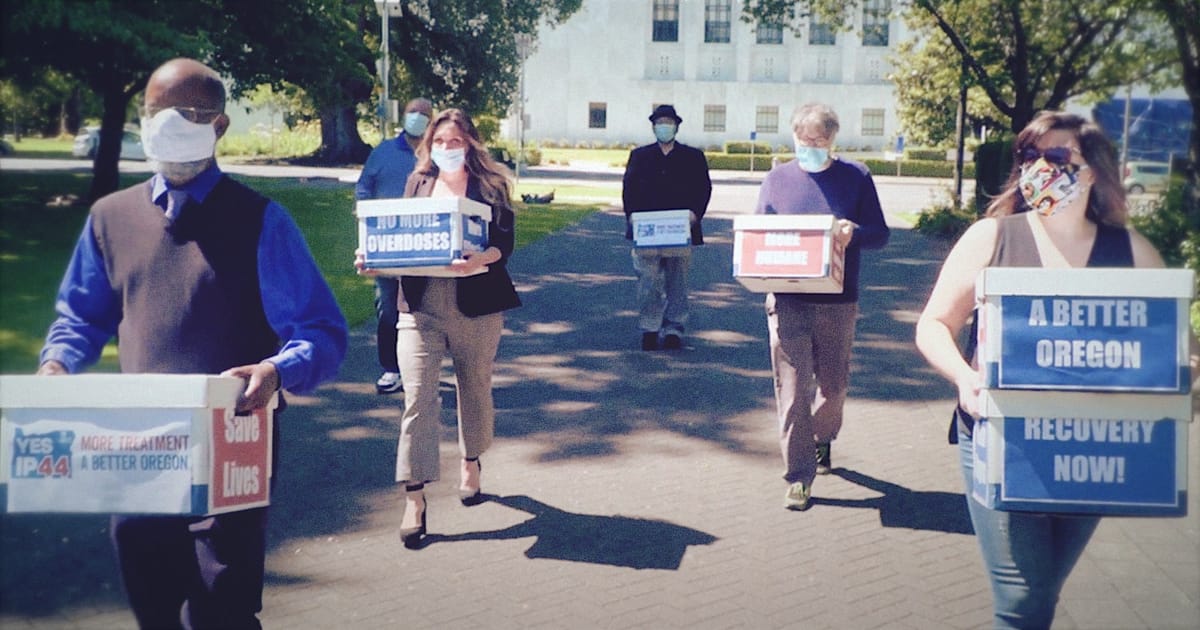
(909, 509)
(635, 543)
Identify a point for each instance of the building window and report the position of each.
(666, 20)
(597, 115)
(872, 122)
(714, 118)
(769, 33)
(875, 22)
(766, 119)
(717, 16)
(820, 33)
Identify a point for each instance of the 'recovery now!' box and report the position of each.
(420, 236)
(662, 228)
(1077, 452)
(787, 253)
(1085, 329)
(132, 444)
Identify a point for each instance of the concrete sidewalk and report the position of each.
(633, 489)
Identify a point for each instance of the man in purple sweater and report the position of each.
(811, 333)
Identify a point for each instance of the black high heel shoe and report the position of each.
(411, 536)
(474, 496)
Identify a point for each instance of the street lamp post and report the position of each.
(386, 9)
(524, 43)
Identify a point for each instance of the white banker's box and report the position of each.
(662, 228)
(1085, 329)
(420, 236)
(788, 253)
(1082, 452)
(132, 444)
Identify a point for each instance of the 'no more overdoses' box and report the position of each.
(787, 253)
(1077, 452)
(1085, 329)
(133, 444)
(420, 236)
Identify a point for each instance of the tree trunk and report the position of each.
(105, 174)
(340, 142)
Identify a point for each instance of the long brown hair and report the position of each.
(1106, 197)
(493, 177)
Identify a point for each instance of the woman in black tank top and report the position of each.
(1063, 207)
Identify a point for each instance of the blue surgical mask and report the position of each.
(665, 133)
(811, 159)
(415, 123)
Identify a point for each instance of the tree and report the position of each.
(1183, 16)
(1024, 55)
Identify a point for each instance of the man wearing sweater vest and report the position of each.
(195, 273)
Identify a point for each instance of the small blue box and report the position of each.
(1073, 452)
(1118, 330)
(420, 236)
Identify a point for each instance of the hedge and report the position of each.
(918, 168)
(743, 147)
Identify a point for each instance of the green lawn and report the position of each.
(37, 236)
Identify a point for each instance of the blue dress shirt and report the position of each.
(386, 170)
(298, 303)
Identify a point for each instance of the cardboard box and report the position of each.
(662, 228)
(132, 444)
(787, 253)
(421, 236)
(1085, 329)
(1075, 452)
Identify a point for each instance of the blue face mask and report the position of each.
(664, 133)
(811, 159)
(415, 123)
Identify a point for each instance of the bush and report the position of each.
(1174, 231)
(738, 147)
(925, 154)
(737, 162)
(947, 219)
(917, 168)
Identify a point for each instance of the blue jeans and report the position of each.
(386, 292)
(662, 291)
(1028, 555)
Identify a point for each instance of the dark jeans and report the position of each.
(193, 572)
(386, 292)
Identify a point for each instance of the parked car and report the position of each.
(1143, 176)
(88, 141)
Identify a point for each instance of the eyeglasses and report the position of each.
(197, 115)
(1058, 156)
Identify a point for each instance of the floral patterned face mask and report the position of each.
(1047, 187)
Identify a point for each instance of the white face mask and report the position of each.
(169, 137)
(415, 123)
(449, 160)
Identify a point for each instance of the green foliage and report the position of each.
(279, 143)
(1175, 233)
(917, 168)
(737, 162)
(946, 219)
(935, 155)
(743, 146)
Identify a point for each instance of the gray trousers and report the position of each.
(810, 356)
(423, 339)
(662, 288)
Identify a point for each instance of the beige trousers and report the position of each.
(423, 339)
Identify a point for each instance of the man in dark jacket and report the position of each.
(665, 175)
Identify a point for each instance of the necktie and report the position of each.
(176, 200)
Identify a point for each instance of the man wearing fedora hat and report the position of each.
(664, 175)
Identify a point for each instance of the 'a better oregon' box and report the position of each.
(1085, 329)
(787, 253)
(131, 444)
(420, 236)
(1076, 452)
(662, 228)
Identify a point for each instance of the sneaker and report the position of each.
(824, 461)
(797, 496)
(672, 342)
(389, 383)
(649, 341)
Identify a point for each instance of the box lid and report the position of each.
(1150, 283)
(421, 205)
(784, 222)
(120, 391)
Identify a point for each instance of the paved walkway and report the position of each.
(632, 489)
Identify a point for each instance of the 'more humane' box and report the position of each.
(420, 236)
(1085, 329)
(1077, 452)
(661, 228)
(132, 444)
(787, 253)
